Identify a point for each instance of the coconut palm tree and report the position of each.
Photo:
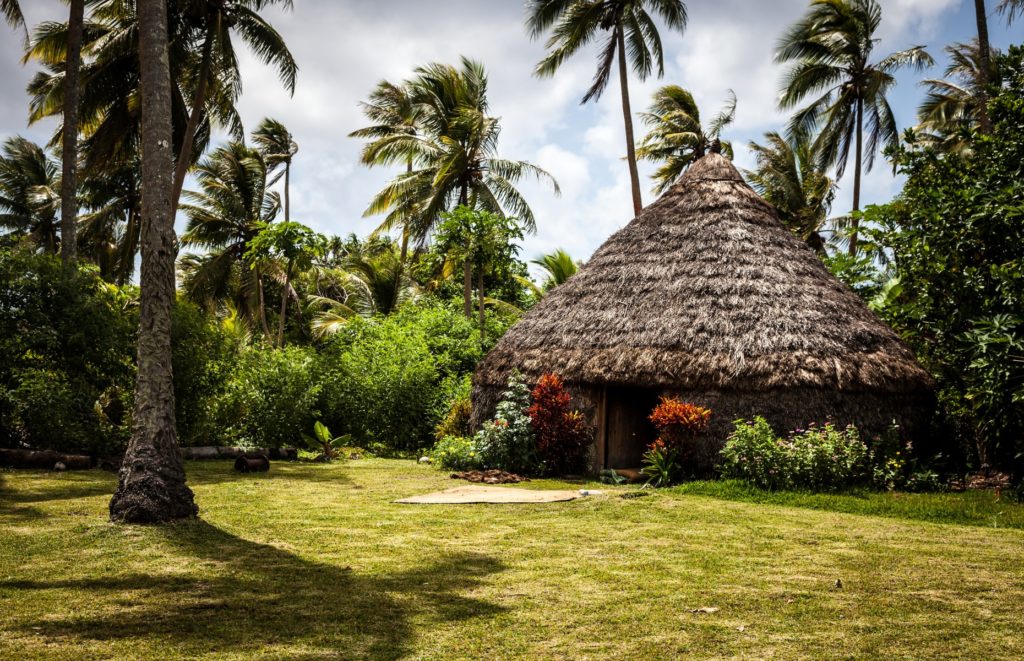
(830, 49)
(362, 286)
(395, 116)
(455, 157)
(151, 486)
(677, 138)
(788, 177)
(1010, 9)
(110, 230)
(12, 13)
(278, 147)
(29, 193)
(629, 32)
(69, 153)
(213, 24)
(558, 266)
(109, 105)
(985, 62)
(224, 216)
(957, 104)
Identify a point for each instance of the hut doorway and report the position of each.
(627, 429)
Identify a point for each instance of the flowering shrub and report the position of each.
(818, 458)
(563, 437)
(508, 442)
(456, 453)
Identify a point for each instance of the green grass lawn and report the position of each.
(314, 561)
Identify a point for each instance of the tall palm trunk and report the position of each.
(405, 227)
(856, 177)
(69, 182)
(151, 486)
(263, 307)
(284, 303)
(185, 155)
(985, 60)
(467, 268)
(627, 116)
(480, 297)
(287, 192)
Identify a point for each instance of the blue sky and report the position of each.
(344, 47)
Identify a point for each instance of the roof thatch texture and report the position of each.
(707, 289)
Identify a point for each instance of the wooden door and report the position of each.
(628, 431)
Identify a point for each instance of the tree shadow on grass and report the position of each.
(62, 486)
(244, 597)
(221, 471)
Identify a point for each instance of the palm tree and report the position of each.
(224, 216)
(363, 286)
(831, 48)
(69, 153)
(151, 486)
(12, 13)
(395, 116)
(110, 230)
(788, 177)
(958, 104)
(1010, 9)
(213, 25)
(677, 139)
(456, 155)
(29, 193)
(109, 104)
(278, 147)
(558, 267)
(630, 32)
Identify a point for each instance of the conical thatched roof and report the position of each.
(707, 289)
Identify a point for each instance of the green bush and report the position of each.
(270, 398)
(379, 384)
(456, 453)
(203, 357)
(818, 458)
(508, 441)
(66, 356)
(456, 420)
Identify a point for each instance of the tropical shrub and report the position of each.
(679, 424)
(458, 453)
(508, 442)
(66, 356)
(456, 421)
(954, 235)
(817, 458)
(380, 385)
(270, 398)
(562, 435)
(203, 360)
(324, 442)
(660, 465)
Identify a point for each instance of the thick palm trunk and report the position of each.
(480, 297)
(856, 177)
(151, 486)
(185, 155)
(69, 180)
(627, 116)
(284, 304)
(985, 60)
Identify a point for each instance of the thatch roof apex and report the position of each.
(707, 289)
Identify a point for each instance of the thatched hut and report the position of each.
(708, 296)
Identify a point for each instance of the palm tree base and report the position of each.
(149, 492)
